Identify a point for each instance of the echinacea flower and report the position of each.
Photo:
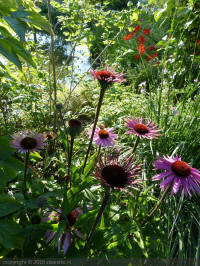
(141, 49)
(140, 39)
(117, 175)
(104, 136)
(107, 75)
(64, 237)
(27, 142)
(177, 174)
(146, 31)
(142, 128)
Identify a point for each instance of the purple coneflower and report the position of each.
(114, 175)
(65, 237)
(178, 174)
(104, 136)
(107, 75)
(27, 142)
(142, 128)
(117, 175)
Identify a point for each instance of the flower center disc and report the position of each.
(74, 123)
(103, 134)
(141, 129)
(181, 168)
(104, 74)
(28, 143)
(115, 175)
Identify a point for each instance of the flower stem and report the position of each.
(136, 205)
(25, 174)
(136, 144)
(103, 205)
(102, 92)
(156, 207)
(69, 162)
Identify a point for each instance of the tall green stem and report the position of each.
(102, 92)
(53, 64)
(69, 162)
(136, 144)
(103, 205)
(156, 207)
(25, 174)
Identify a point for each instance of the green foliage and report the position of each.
(166, 93)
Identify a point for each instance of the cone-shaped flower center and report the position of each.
(115, 175)
(103, 134)
(74, 123)
(141, 129)
(28, 143)
(72, 217)
(181, 168)
(104, 74)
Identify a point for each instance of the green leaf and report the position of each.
(32, 18)
(6, 150)
(8, 205)
(10, 235)
(18, 26)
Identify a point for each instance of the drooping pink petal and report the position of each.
(67, 243)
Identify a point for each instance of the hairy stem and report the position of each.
(102, 92)
(25, 174)
(53, 64)
(103, 205)
(69, 162)
(136, 144)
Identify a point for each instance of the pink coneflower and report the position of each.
(27, 142)
(117, 175)
(142, 128)
(64, 237)
(178, 174)
(104, 137)
(107, 75)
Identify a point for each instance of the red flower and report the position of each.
(151, 48)
(198, 42)
(141, 49)
(141, 39)
(137, 28)
(128, 37)
(152, 56)
(146, 31)
(136, 57)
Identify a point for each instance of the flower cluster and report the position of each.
(142, 49)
